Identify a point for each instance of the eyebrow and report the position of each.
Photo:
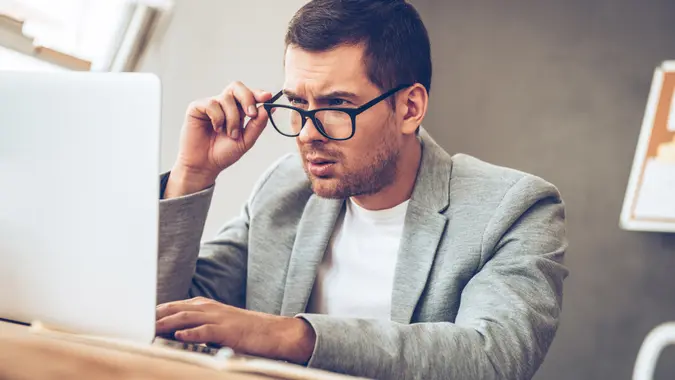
(328, 96)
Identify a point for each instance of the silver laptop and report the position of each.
(79, 163)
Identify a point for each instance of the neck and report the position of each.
(402, 187)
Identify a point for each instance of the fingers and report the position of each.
(246, 102)
(201, 301)
(245, 98)
(168, 309)
(254, 128)
(215, 113)
(257, 124)
(208, 333)
(208, 110)
(183, 320)
(233, 116)
(262, 96)
(228, 111)
(191, 304)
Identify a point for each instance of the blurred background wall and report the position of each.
(558, 88)
(555, 88)
(206, 45)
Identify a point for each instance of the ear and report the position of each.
(412, 104)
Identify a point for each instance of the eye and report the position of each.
(296, 101)
(337, 102)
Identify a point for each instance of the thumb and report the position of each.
(261, 96)
(254, 128)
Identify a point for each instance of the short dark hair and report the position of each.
(397, 48)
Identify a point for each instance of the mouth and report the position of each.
(320, 166)
(319, 160)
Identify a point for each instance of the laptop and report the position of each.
(79, 164)
(79, 190)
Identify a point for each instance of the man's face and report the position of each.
(367, 162)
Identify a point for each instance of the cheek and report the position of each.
(359, 151)
(372, 131)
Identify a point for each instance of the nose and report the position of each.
(309, 133)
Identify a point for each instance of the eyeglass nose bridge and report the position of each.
(304, 120)
(316, 122)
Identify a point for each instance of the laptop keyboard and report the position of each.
(194, 347)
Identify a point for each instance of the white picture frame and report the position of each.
(649, 203)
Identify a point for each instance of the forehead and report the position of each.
(341, 67)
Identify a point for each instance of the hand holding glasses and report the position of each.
(215, 132)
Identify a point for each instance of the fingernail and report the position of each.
(235, 134)
(252, 111)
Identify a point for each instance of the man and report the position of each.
(372, 252)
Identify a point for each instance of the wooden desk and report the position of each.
(26, 356)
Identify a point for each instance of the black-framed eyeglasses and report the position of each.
(335, 123)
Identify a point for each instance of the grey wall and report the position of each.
(558, 88)
(206, 45)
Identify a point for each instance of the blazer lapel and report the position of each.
(314, 232)
(423, 229)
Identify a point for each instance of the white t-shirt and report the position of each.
(356, 276)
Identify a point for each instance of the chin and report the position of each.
(326, 188)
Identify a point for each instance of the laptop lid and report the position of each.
(79, 158)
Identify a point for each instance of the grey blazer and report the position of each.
(478, 283)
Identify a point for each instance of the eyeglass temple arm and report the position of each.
(275, 97)
(383, 96)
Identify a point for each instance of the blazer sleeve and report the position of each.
(509, 310)
(214, 269)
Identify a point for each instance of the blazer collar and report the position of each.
(424, 225)
(432, 186)
(423, 229)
